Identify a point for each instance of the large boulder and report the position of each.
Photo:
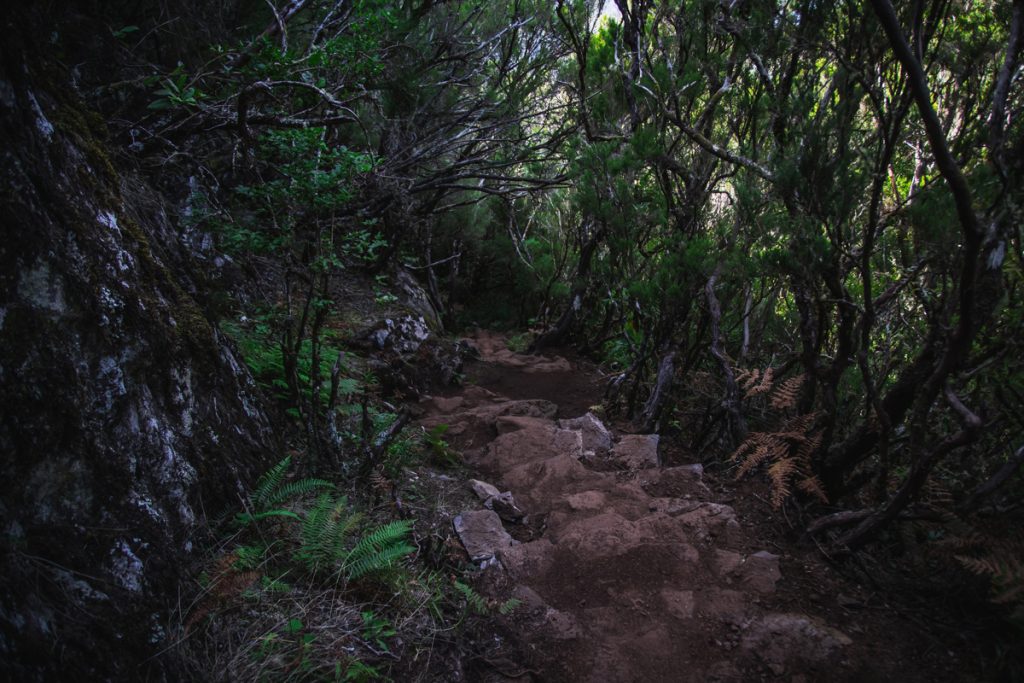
(125, 415)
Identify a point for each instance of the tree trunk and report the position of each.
(737, 425)
(557, 334)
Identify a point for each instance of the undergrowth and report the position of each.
(307, 585)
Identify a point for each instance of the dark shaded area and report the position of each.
(126, 418)
(573, 392)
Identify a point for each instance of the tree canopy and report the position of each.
(791, 230)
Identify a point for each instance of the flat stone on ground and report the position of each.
(482, 534)
(637, 451)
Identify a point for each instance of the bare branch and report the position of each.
(721, 152)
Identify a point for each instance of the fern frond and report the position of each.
(780, 472)
(762, 387)
(972, 540)
(801, 423)
(936, 494)
(294, 489)
(475, 601)
(760, 447)
(812, 486)
(748, 378)
(324, 531)
(748, 444)
(787, 394)
(380, 482)
(388, 533)
(380, 561)
(1005, 571)
(766, 449)
(269, 483)
(243, 518)
(509, 606)
(379, 550)
(790, 451)
(808, 448)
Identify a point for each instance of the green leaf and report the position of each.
(124, 30)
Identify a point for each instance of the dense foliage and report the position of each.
(689, 190)
(791, 229)
(829, 191)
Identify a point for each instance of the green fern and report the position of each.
(278, 585)
(475, 601)
(294, 489)
(269, 482)
(482, 605)
(249, 556)
(271, 491)
(379, 550)
(243, 518)
(509, 606)
(324, 531)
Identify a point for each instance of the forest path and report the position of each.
(626, 570)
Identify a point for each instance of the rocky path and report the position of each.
(627, 571)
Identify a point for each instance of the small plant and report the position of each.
(1000, 562)
(376, 630)
(124, 31)
(379, 550)
(292, 641)
(249, 556)
(178, 89)
(787, 455)
(356, 671)
(381, 296)
(519, 342)
(482, 605)
(326, 533)
(440, 451)
(272, 490)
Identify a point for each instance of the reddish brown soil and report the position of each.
(647, 573)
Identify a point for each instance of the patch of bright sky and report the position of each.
(609, 10)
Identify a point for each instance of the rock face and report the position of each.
(125, 415)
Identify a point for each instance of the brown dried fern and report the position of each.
(226, 584)
(812, 486)
(756, 449)
(789, 451)
(747, 378)
(380, 482)
(781, 472)
(969, 541)
(1006, 570)
(761, 387)
(787, 394)
(936, 495)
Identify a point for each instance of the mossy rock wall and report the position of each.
(125, 418)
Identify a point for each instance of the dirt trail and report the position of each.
(627, 571)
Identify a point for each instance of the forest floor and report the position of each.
(632, 566)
